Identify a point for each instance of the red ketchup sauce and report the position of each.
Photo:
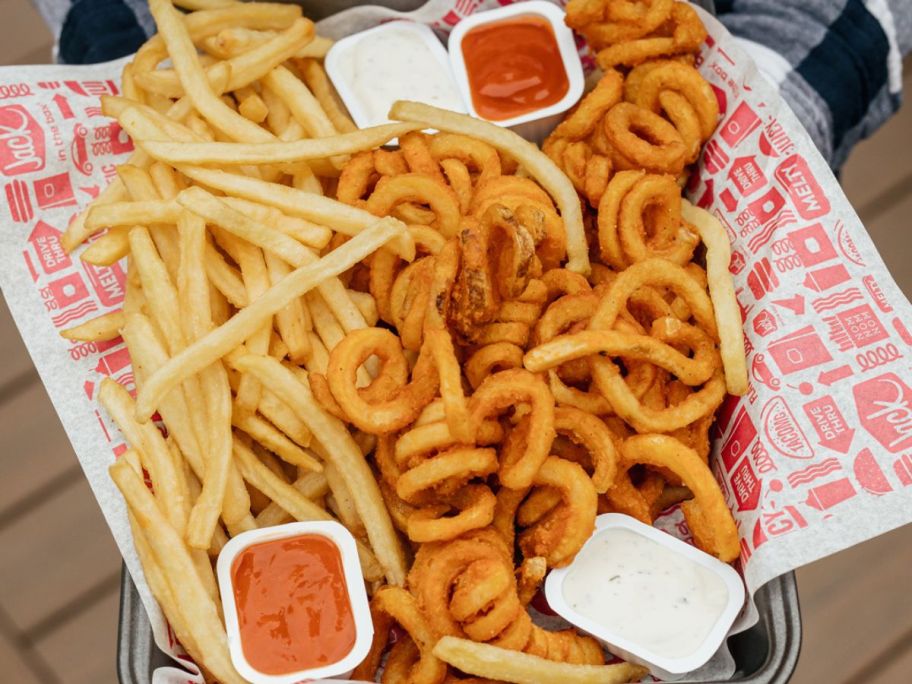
(514, 67)
(292, 604)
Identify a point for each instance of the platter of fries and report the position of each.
(438, 345)
(459, 346)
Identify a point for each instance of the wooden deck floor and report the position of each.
(59, 568)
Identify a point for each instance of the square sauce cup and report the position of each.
(243, 566)
(487, 65)
(647, 597)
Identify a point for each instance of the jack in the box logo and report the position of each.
(884, 407)
(21, 141)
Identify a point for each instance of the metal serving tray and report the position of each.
(765, 654)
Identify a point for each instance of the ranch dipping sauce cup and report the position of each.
(647, 597)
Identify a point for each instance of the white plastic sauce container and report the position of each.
(537, 124)
(645, 568)
(354, 581)
(399, 60)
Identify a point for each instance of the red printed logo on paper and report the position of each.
(762, 279)
(884, 407)
(812, 245)
(746, 175)
(805, 191)
(18, 201)
(742, 434)
(799, 350)
(869, 474)
(65, 291)
(856, 327)
(746, 486)
(783, 431)
(740, 124)
(825, 496)
(877, 294)
(21, 142)
(847, 245)
(830, 425)
(765, 323)
(826, 277)
(714, 157)
(108, 282)
(79, 150)
(54, 191)
(804, 476)
(45, 240)
(902, 466)
(111, 139)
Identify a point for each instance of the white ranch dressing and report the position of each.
(645, 593)
(396, 64)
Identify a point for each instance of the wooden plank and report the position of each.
(13, 665)
(84, 649)
(36, 452)
(897, 669)
(890, 233)
(877, 163)
(53, 554)
(16, 360)
(853, 606)
(21, 30)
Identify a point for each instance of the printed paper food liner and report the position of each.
(815, 458)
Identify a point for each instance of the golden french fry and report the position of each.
(247, 321)
(722, 293)
(271, 438)
(303, 106)
(316, 79)
(218, 213)
(293, 321)
(193, 78)
(493, 662)
(131, 214)
(343, 218)
(344, 455)
(312, 485)
(233, 154)
(238, 71)
(109, 248)
(149, 443)
(78, 232)
(201, 617)
(303, 231)
(105, 327)
(293, 501)
(532, 159)
(224, 277)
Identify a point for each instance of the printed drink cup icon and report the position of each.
(827, 277)
(812, 245)
(740, 124)
(799, 350)
(825, 496)
(742, 434)
(884, 405)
